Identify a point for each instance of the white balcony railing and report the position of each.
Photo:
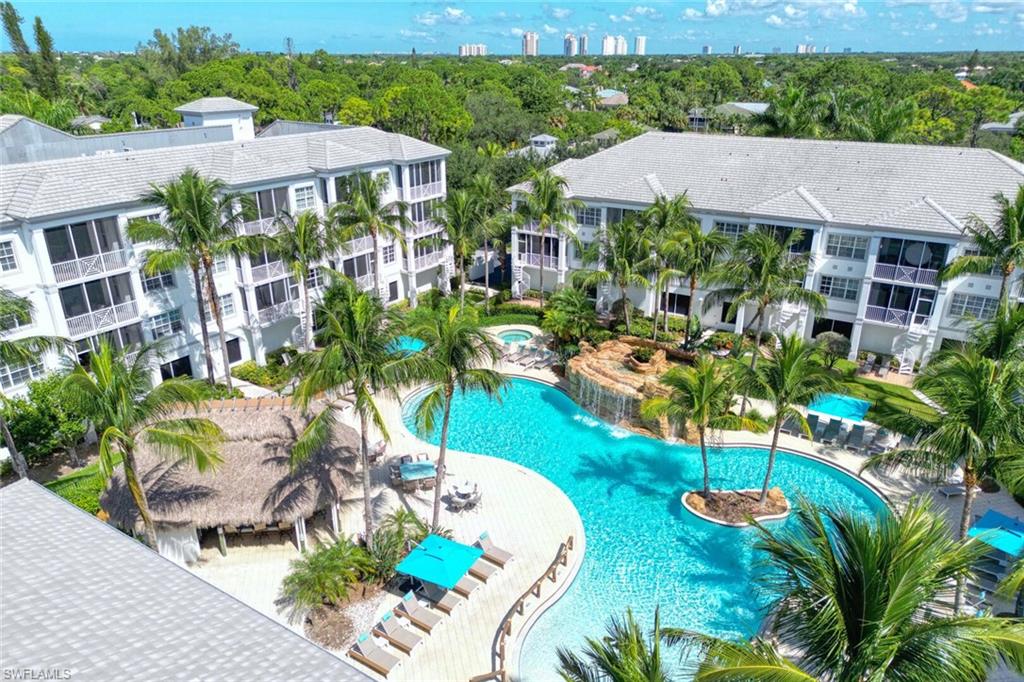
(534, 259)
(261, 273)
(427, 260)
(276, 312)
(357, 245)
(101, 319)
(894, 316)
(424, 227)
(430, 189)
(364, 282)
(533, 228)
(90, 265)
(261, 226)
(905, 274)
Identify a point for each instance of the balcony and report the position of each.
(357, 245)
(364, 282)
(534, 259)
(895, 316)
(261, 226)
(424, 227)
(431, 189)
(427, 260)
(276, 312)
(104, 318)
(533, 228)
(905, 275)
(261, 273)
(90, 265)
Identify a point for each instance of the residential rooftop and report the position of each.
(865, 184)
(215, 105)
(78, 595)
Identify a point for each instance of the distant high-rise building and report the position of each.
(472, 50)
(608, 45)
(801, 48)
(531, 44)
(621, 46)
(584, 44)
(737, 49)
(776, 50)
(828, 48)
(706, 49)
(847, 50)
(640, 45)
(569, 45)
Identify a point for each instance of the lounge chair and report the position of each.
(466, 586)
(812, 425)
(442, 599)
(883, 371)
(949, 491)
(831, 432)
(417, 614)
(390, 629)
(493, 553)
(367, 652)
(521, 355)
(510, 350)
(791, 426)
(880, 442)
(855, 441)
(483, 570)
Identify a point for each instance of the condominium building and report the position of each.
(706, 49)
(65, 209)
(640, 45)
(472, 50)
(621, 46)
(878, 221)
(737, 49)
(569, 45)
(608, 45)
(531, 44)
(584, 44)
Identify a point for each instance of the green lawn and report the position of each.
(81, 488)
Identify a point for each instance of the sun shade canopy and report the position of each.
(439, 561)
(1000, 531)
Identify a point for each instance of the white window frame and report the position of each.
(305, 198)
(839, 288)
(591, 217)
(167, 323)
(316, 278)
(227, 307)
(12, 257)
(731, 230)
(158, 282)
(973, 306)
(388, 253)
(12, 376)
(847, 246)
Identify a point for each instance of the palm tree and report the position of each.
(356, 362)
(700, 396)
(200, 223)
(696, 255)
(458, 214)
(981, 424)
(17, 352)
(664, 221)
(456, 347)
(999, 247)
(303, 242)
(764, 271)
(117, 395)
(1002, 337)
(366, 214)
(570, 315)
(495, 223)
(324, 576)
(789, 376)
(885, 121)
(792, 113)
(625, 654)
(491, 150)
(621, 249)
(857, 598)
(550, 209)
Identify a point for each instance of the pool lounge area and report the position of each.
(842, 406)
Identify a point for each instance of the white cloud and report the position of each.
(417, 35)
(952, 11)
(691, 13)
(616, 18)
(775, 20)
(793, 12)
(645, 11)
(427, 18)
(450, 15)
(995, 6)
(559, 12)
(550, 30)
(716, 8)
(983, 29)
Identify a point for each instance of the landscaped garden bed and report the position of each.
(737, 507)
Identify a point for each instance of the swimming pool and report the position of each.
(515, 335)
(842, 406)
(642, 551)
(407, 345)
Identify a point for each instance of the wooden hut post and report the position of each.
(222, 542)
(300, 533)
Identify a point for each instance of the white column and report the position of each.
(740, 315)
(335, 524)
(858, 327)
(300, 533)
(562, 259)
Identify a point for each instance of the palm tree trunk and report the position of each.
(18, 460)
(487, 281)
(970, 480)
(1004, 291)
(704, 462)
(541, 278)
(753, 358)
(771, 460)
(364, 462)
(657, 302)
(376, 265)
(689, 312)
(138, 494)
(307, 316)
(211, 291)
(462, 283)
(443, 449)
(204, 329)
(625, 309)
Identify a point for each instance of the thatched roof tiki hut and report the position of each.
(253, 490)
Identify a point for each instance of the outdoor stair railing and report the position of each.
(500, 670)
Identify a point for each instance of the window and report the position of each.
(227, 307)
(7, 260)
(315, 279)
(847, 246)
(273, 293)
(421, 210)
(839, 287)
(678, 304)
(588, 216)
(182, 367)
(975, 251)
(359, 265)
(305, 198)
(98, 294)
(157, 282)
(120, 338)
(731, 230)
(71, 242)
(389, 253)
(270, 202)
(424, 173)
(15, 321)
(16, 375)
(234, 351)
(220, 265)
(166, 323)
(978, 307)
(392, 291)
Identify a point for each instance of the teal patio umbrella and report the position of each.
(439, 561)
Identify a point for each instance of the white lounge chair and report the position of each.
(483, 569)
(493, 553)
(367, 652)
(417, 614)
(390, 629)
(956, 490)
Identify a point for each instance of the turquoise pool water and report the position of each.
(842, 406)
(515, 336)
(643, 550)
(408, 345)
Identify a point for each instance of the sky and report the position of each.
(671, 27)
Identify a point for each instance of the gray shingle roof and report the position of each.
(66, 186)
(213, 105)
(79, 595)
(915, 187)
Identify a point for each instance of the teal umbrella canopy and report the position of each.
(439, 561)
